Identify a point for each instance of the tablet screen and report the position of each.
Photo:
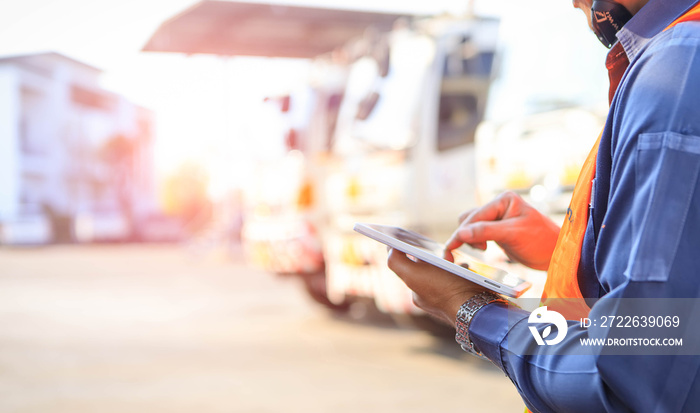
(460, 258)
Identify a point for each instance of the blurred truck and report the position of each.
(537, 156)
(409, 126)
(412, 127)
(389, 139)
(403, 151)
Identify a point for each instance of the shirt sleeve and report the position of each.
(647, 247)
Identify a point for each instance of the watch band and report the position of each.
(466, 314)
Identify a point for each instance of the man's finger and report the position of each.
(478, 233)
(464, 215)
(494, 210)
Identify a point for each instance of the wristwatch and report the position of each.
(466, 313)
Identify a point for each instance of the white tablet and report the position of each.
(427, 250)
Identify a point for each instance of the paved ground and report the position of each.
(161, 329)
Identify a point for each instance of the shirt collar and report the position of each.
(651, 20)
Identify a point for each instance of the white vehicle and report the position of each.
(547, 105)
(403, 150)
(544, 157)
(414, 145)
(390, 139)
(391, 131)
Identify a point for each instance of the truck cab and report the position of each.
(403, 150)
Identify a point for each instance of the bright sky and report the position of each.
(191, 96)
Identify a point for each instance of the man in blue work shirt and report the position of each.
(639, 237)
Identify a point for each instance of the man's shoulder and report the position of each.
(668, 69)
(660, 90)
(684, 35)
(689, 30)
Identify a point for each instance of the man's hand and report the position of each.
(436, 291)
(525, 235)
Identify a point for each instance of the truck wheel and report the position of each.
(315, 285)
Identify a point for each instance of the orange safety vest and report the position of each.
(561, 291)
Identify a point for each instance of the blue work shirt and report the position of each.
(643, 234)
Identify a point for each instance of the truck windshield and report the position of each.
(378, 111)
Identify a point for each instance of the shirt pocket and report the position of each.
(666, 175)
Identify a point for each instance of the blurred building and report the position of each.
(76, 161)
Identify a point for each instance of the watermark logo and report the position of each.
(543, 316)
